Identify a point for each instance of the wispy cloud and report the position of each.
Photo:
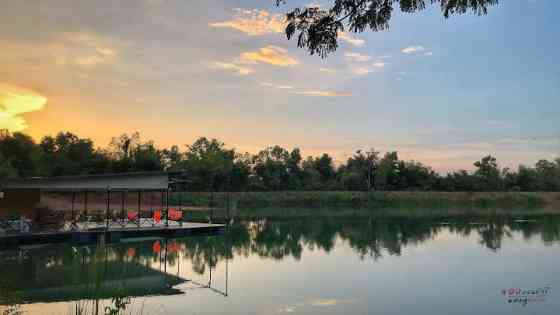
(374, 67)
(240, 70)
(354, 41)
(357, 57)
(272, 55)
(15, 101)
(84, 49)
(323, 93)
(254, 22)
(429, 53)
(413, 49)
(277, 86)
(327, 70)
(330, 302)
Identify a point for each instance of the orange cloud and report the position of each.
(231, 67)
(254, 22)
(272, 55)
(15, 101)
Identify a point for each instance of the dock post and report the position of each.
(139, 207)
(108, 208)
(86, 207)
(72, 222)
(167, 207)
(122, 208)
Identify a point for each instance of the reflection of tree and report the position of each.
(269, 239)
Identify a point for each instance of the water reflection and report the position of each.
(102, 278)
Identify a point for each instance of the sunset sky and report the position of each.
(444, 92)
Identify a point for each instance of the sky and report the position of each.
(444, 92)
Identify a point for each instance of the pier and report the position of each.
(94, 208)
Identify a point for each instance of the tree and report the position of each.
(387, 175)
(548, 175)
(209, 164)
(6, 169)
(22, 153)
(360, 170)
(146, 157)
(488, 173)
(319, 173)
(67, 154)
(415, 176)
(171, 158)
(271, 167)
(318, 28)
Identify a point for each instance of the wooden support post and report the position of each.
(123, 194)
(108, 208)
(86, 205)
(181, 207)
(167, 207)
(139, 207)
(72, 212)
(152, 207)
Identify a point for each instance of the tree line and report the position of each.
(211, 166)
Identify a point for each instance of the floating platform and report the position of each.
(111, 235)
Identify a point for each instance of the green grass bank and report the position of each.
(407, 203)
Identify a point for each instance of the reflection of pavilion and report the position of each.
(74, 274)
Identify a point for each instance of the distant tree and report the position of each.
(67, 154)
(360, 171)
(318, 27)
(22, 153)
(240, 172)
(488, 174)
(548, 175)
(146, 157)
(171, 158)
(415, 176)
(209, 164)
(271, 167)
(387, 175)
(6, 168)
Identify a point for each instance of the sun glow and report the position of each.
(15, 101)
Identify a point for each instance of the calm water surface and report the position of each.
(302, 266)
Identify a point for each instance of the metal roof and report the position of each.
(121, 181)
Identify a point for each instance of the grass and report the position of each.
(387, 204)
(369, 200)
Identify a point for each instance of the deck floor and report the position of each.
(92, 232)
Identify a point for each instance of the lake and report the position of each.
(311, 265)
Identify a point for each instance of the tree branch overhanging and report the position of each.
(318, 28)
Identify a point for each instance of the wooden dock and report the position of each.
(111, 235)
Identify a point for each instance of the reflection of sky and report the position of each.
(444, 92)
(447, 275)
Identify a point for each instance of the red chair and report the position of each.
(157, 216)
(175, 215)
(156, 247)
(132, 215)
